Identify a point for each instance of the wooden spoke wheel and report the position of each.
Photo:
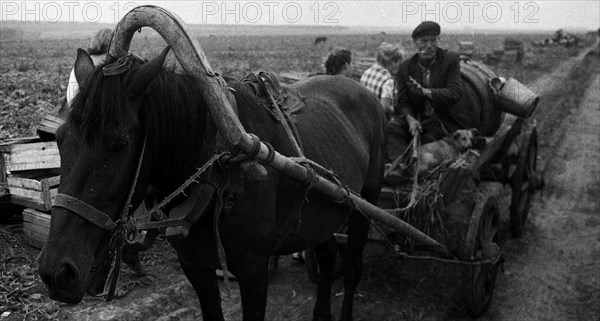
(479, 280)
(522, 184)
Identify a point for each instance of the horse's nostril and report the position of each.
(67, 276)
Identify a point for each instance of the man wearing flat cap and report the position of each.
(429, 84)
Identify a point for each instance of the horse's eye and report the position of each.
(119, 144)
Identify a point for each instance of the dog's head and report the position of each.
(463, 138)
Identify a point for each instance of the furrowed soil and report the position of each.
(552, 272)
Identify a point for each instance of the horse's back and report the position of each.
(341, 126)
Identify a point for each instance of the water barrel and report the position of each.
(477, 99)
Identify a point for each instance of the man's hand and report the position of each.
(416, 88)
(414, 126)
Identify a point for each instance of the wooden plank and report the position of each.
(53, 119)
(47, 128)
(34, 165)
(34, 240)
(37, 204)
(53, 181)
(23, 183)
(41, 146)
(6, 145)
(24, 192)
(34, 217)
(36, 227)
(37, 174)
(33, 157)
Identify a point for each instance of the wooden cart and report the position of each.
(470, 214)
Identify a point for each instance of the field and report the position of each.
(34, 76)
(35, 72)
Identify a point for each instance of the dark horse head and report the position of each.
(100, 147)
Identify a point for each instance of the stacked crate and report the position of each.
(30, 174)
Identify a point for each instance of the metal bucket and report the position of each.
(514, 97)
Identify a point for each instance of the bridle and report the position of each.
(124, 225)
(119, 229)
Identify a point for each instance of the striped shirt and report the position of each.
(379, 81)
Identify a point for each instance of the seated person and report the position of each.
(339, 63)
(379, 78)
(429, 84)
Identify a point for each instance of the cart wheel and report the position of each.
(522, 185)
(480, 280)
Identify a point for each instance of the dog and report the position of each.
(446, 149)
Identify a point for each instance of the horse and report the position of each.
(138, 121)
(320, 40)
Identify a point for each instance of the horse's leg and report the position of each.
(358, 228)
(197, 258)
(206, 286)
(252, 273)
(326, 256)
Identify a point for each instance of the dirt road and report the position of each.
(553, 271)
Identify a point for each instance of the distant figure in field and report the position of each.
(379, 78)
(339, 63)
(320, 40)
(97, 50)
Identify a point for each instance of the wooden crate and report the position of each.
(21, 157)
(36, 227)
(31, 192)
(48, 126)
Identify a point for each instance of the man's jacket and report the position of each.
(445, 84)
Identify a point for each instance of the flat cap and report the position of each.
(426, 28)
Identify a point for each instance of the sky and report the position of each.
(404, 15)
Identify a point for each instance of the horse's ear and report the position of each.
(84, 66)
(146, 74)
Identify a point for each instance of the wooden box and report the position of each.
(31, 192)
(48, 126)
(29, 172)
(36, 227)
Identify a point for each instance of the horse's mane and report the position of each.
(172, 109)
